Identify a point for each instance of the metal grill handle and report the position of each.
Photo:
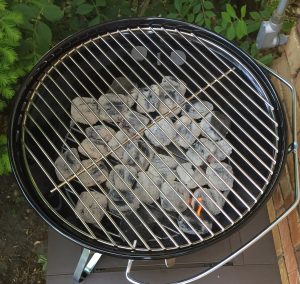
(292, 149)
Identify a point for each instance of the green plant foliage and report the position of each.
(232, 25)
(232, 19)
(9, 39)
(48, 21)
(199, 12)
(4, 161)
(40, 17)
(42, 259)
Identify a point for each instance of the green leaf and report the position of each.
(244, 27)
(27, 26)
(2, 105)
(245, 45)
(230, 33)
(230, 11)
(243, 11)
(190, 18)
(265, 14)
(53, 13)
(101, 3)
(2, 6)
(267, 59)
(199, 20)
(252, 26)
(196, 8)
(84, 9)
(241, 29)
(255, 15)
(208, 5)
(185, 10)
(4, 164)
(218, 29)
(77, 23)
(77, 2)
(43, 37)
(27, 11)
(39, 3)
(158, 8)
(226, 17)
(95, 21)
(13, 17)
(3, 139)
(26, 46)
(253, 49)
(172, 16)
(207, 22)
(42, 259)
(287, 25)
(178, 5)
(124, 9)
(210, 14)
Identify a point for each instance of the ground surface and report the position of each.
(23, 237)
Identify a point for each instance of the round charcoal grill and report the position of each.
(156, 88)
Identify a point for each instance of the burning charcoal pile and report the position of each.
(125, 160)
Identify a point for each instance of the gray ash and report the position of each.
(214, 118)
(120, 203)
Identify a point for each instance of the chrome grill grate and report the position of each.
(208, 72)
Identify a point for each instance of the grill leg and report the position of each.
(85, 266)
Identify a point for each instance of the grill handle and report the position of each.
(292, 149)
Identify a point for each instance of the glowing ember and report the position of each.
(199, 207)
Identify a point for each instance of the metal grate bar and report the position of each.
(47, 156)
(58, 152)
(128, 154)
(123, 216)
(178, 147)
(250, 164)
(199, 203)
(235, 149)
(164, 147)
(91, 235)
(258, 188)
(190, 43)
(218, 105)
(150, 117)
(85, 168)
(155, 120)
(177, 117)
(216, 80)
(224, 64)
(74, 191)
(232, 120)
(137, 118)
(99, 186)
(229, 92)
(92, 160)
(145, 156)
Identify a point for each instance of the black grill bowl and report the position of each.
(235, 57)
